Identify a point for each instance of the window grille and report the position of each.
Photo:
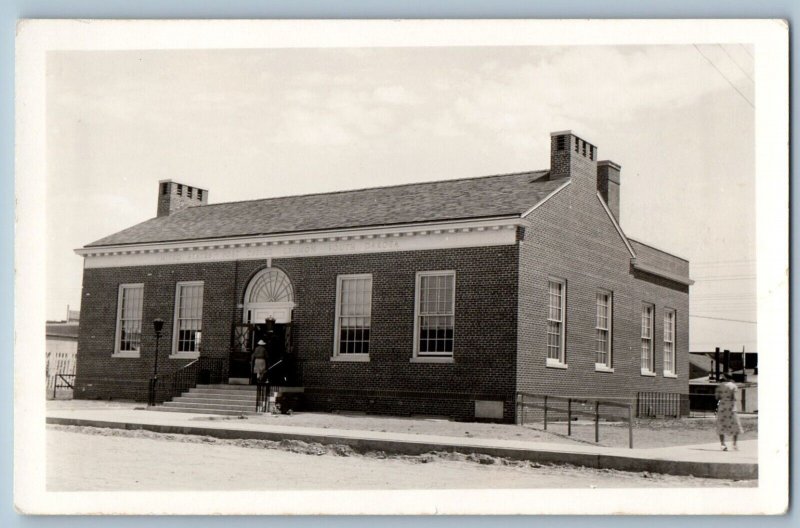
(669, 341)
(129, 318)
(354, 310)
(603, 329)
(188, 316)
(435, 313)
(555, 320)
(647, 337)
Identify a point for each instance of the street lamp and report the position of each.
(158, 324)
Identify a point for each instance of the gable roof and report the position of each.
(468, 198)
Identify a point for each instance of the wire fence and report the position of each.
(559, 409)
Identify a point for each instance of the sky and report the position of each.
(248, 124)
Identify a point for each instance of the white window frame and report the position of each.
(176, 331)
(436, 357)
(650, 368)
(118, 332)
(337, 355)
(670, 351)
(561, 361)
(608, 365)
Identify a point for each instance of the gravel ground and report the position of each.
(647, 433)
(99, 459)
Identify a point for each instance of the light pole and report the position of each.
(158, 324)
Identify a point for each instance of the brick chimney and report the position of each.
(608, 184)
(174, 197)
(572, 157)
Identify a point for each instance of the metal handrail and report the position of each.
(184, 379)
(522, 405)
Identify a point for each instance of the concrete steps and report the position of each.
(223, 399)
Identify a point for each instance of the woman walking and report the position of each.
(728, 423)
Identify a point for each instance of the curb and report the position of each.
(732, 470)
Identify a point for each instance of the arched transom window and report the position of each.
(270, 285)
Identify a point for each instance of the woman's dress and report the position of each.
(727, 418)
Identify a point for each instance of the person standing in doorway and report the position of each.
(258, 361)
(728, 423)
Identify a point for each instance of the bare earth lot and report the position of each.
(647, 433)
(99, 459)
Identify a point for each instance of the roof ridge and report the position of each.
(518, 173)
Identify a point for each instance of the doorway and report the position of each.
(269, 295)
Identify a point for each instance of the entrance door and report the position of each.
(269, 295)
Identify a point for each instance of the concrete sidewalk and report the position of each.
(705, 460)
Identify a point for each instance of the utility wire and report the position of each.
(723, 76)
(734, 61)
(722, 319)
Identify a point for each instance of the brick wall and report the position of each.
(484, 337)
(660, 259)
(570, 237)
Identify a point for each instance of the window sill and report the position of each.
(351, 358)
(554, 363)
(670, 375)
(432, 360)
(184, 355)
(601, 367)
(126, 355)
(648, 373)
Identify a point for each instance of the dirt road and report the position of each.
(90, 459)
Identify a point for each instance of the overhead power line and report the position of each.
(723, 319)
(734, 61)
(707, 279)
(723, 76)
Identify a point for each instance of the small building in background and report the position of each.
(61, 344)
(740, 367)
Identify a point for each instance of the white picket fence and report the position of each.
(61, 362)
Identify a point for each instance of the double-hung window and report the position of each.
(648, 368)
(435, 314)
(188, 323)
(353, 314)
(669, 343)
(602, 332)
(557, 292)
(128, 339)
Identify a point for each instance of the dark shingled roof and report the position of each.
(470, 198)
(62, 329)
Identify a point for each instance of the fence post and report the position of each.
(630, 427)
(545, 412)
(597, 421)
(55, 384)
(569, 416)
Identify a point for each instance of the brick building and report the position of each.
(440, 298)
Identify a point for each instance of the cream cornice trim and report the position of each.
(497, 231)
(665, 274)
